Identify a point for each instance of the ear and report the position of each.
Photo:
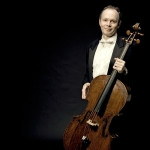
(119, 24)
(99, 22)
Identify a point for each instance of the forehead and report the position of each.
(110, 13)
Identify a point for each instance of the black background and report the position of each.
(53, 37)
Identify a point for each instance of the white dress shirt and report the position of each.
(103, 55)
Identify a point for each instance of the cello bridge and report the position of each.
(91, 123)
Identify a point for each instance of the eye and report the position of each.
(113, 21)
(105, 20)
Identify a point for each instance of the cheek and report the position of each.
(101, 24)
(115, 28)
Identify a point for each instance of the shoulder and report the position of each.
(120, 42)
(93, 43)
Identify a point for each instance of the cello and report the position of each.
(106, 97)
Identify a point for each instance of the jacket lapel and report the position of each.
(116, 53)
(119, 46)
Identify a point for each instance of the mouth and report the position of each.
(107, 29)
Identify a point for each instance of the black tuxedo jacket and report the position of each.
(118, 49)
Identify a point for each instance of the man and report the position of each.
(103, 54)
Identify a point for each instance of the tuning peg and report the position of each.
(124, 39)
(128, 32)
(137, 41)
(141, 34)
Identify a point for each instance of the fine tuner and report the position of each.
(132, 35)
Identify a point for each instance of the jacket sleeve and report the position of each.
(86, 77)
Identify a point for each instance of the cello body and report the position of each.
(82, 134)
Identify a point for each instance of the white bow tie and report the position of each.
(107, 42)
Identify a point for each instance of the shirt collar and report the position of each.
(111, 40)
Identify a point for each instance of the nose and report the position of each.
(108, 23)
